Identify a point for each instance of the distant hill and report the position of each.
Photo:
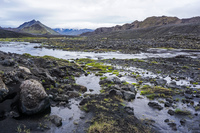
(11, 34)
(63, 31)
(150, 28)
(34, 27)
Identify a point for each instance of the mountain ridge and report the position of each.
(147, 23)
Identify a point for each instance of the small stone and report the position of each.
(25, 69)
(167, 104)
(166, 120)
(129, 110)
(155, 105)
(91, 90)
(171, 112)
(182, 121)
(56, 120)
(173, 126)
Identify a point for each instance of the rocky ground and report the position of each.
(31, 86)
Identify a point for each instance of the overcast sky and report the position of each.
(91, 13)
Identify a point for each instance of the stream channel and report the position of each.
(140, 103)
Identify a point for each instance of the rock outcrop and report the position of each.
(33, 98)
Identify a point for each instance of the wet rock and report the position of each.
(25, 69)
(172, 85)
(14, 114)
(167, 104)
(11, 77)
(91, 90)
(8, 62)
(116, 80)
(172, 125)
(129, 110)
(73, 94)
(116, 87)
(169, 100)
(114, 92)
(56, 120)
(33, 98)
(109, 80)
(3, 90)
(182, 121)
(61, 97)
(127, 95)
(129, 87)
(79, 88)
(155, 105)
(166, 120)
(84, 101)
(188, 96)
(161, 82)
(171, 112)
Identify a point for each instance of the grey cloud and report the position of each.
(91, 13)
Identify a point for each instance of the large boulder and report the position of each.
(33, 98)
(3, 90)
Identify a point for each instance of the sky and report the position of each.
(91, 14)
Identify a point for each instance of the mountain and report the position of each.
(72, 31)
(36, 28)
(150, 27)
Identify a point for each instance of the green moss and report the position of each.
(27, 55)
(102, 78)
(107, 99)
(177, 99)
(185, 67)
(154, 62)
(195, 83)
(145, 92)
(98, 66)
(115, 72)
(155, 91)
(1, 72)
(151, 96)
(51, 86)
(102, 127)
(125, 83)
(137, 60)
(182, 112)
(102, 91)
(140, 82)
(85, 108)
(197, 108)
(134, 84)
(98, 74)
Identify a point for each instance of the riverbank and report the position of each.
(101, 45)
